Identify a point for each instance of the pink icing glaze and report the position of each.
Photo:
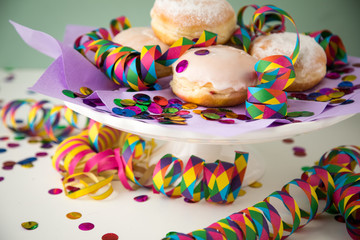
(224, 67)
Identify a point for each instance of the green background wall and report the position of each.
(50, 16)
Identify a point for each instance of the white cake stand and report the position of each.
(183, 144)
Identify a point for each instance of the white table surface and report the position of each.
(24, 191)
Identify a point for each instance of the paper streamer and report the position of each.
(333, 46)
(127, 67)
(42, 119)
(101, 152)
(332, 181)
(275, 73)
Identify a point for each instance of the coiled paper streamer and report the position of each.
(275, 73)
(333, 46)
(42, 119)
(126, 66)
(332, 181)
(99, 154)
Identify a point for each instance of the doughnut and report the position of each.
(216, 76)
(138, 37)
(173, 19)
(310, 67)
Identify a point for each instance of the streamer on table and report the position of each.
(332, 181)
(42, 119)
(92, 159)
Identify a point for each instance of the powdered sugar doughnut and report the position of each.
(310, 67)
(173, 19)
(137, 38)
(216, 76)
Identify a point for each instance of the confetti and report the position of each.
(55, 191)
(41, 154)
(13, 145)
(31, 225)
(74, 215)
(141, 198)
(255, 184)
(288, 140)
(2, 179)
(181, 66)
(5, 138)
(110, 236)
(87, 226)
(8, 165)
(2, 150)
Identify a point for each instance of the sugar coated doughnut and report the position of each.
(310, 67)
(216, 76)
(137, 38)
(173, 19)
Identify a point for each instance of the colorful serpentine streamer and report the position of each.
(333, 181)
(42, 119)
(92, 159)
(126, 66)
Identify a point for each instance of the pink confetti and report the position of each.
(86, 226)
(55, 191)
(141, 198)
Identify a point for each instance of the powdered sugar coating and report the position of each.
(204, 12)
(284, 44)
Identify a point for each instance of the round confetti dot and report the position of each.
(141, 98)
(127, 102)
(241, 193)
(332, 75)
(189, 106)
(202, 52)
(4, 138)
(155, 108)
(347, 70)
(337, 101)
(2, 150)
(31, 225)
(55, 191)
(306, 114)
(33, 140)
(2, 179)
(118, 102)
(27, 165)
(20, 137)
(336, 94)
(141, 198)
(349, 101)
(294, 114)
(74, 215)
(46, 145)
(13, 145)
(41, 154)
(323, 98)
(288, 140)
(256, 185)
(345, 84)
(227, 121)
(86, 226)
(110, 236)
(356, 64)
(349, 78)
(160, 101)
(171, 110)
(27, 160)
(181, 66)
(211, 116)
(69, 93)
(86, 91)
(313, 96)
